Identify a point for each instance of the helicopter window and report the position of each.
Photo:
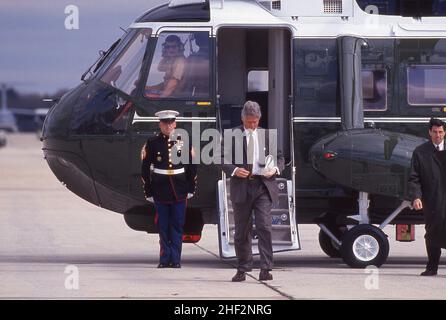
(406, 8)
(382, 7)
(426, 85)
(316, 73)
(124, 72)
(103, 55)
(180, 67)
(374, 88)
(258, 80)
(101, 112)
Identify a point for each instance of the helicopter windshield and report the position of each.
(124, 72)
(104, 55)
(98, 63)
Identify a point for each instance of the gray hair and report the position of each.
(251, 108)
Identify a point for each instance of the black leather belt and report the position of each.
(254, 177)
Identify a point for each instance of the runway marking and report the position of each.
(283, 294)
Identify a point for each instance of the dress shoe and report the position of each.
(239, 276)
(428, 273)
(175, 265)
(264, 275)
(163, 265)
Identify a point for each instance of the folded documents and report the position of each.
(269, 164)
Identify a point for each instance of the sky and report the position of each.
(38, 54)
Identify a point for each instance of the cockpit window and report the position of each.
(124, 73)
(103, 55)
(180, 67)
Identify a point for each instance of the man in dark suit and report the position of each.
(253, 188)
(427, 187)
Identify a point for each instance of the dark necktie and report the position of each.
(250, 150)
(438, 148)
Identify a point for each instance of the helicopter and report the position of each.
(349, 85)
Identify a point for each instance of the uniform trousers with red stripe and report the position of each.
(170, 221)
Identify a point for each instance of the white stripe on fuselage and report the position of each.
(138, 118)
(366, 119)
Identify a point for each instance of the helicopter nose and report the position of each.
(63, 153)
(71, 170)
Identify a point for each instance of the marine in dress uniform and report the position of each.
(168, 185)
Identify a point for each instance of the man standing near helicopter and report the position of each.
(253, 190)
(168, 186)
(427, 187)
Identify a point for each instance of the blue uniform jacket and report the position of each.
(157, 153)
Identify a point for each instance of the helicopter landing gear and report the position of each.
(329, 244)
(364, 244)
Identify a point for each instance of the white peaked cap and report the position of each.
(167, 114)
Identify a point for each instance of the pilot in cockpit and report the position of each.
(173, 64)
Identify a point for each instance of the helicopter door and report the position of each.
(255, 64)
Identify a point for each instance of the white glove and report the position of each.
(190, 195)
(150, 199)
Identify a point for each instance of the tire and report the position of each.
(364, 245)
(328, 246)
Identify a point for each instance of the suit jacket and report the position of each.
(231, 160)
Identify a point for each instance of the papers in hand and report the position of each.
(269, 164)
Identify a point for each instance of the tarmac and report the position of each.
(54, 245)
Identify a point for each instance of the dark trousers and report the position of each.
(259, 203)
(170, 220)
(433, 256)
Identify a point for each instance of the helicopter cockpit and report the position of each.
(110, 113)
(134, 74)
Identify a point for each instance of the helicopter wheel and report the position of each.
(328, 246)
(364, 245)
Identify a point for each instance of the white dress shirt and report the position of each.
(441, 146)
(256, 169)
